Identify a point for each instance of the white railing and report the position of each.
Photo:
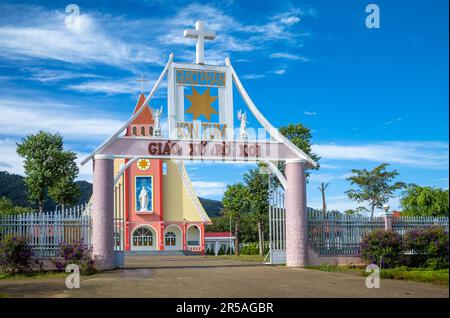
(194, 248)
(46, 231)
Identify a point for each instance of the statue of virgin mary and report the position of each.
(143, 199)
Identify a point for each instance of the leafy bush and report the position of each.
(7, 207)
(382, 247)
(429, 247)
(75, 253)
(253, 249)
(250, 249)
(15, 254)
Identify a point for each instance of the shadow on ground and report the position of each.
(197, 276)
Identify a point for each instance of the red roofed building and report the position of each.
(143, 124)
(214, 241)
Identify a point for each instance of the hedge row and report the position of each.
(425, 247)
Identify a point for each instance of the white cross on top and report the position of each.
(142, 81)
(201, 35)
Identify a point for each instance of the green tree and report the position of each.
(375, 186)
(235, 202)
(249, 228)
(300, 136)
(258, 194)
(219, 224)
(64, 190)
(359, 211)
(8, 207)
(425, 201)
(42, 155)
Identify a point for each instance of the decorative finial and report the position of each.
(200, 35)
(142, 81)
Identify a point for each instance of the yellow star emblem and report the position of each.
(143, 164)
(201, 104)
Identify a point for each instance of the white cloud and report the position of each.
(44, 35)
(21, 117)
(108, 87)
(280, 71)
(257, 76)
(209, 188)
(289, 56)
(388, 123)
(253, 76)
(117, 86)
(232, 35)
(34, 33)
(426, 154)
(52, 75)
(10, 160)
(290, 20)
(307, 113)
(328, 166)
(326, 177)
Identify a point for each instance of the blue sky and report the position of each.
(369, 95)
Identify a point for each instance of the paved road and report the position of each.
(196, 276)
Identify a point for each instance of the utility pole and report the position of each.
(322, 188)
(230, 236)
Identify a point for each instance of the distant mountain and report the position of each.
(13, 187)
(212, 207)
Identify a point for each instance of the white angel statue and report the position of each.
(143, 199)
(157, 118)
(242, 116)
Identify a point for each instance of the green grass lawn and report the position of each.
(37, 275)
(439, 277)
(249, 258)
(336, 268)
(424, 275)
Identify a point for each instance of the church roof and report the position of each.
(146, 116)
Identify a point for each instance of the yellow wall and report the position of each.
(117, 163)
(177, 201)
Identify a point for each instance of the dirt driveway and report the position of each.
(197, 276)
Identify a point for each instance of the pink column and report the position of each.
(388, 219)
(296, 215)
(103, 211)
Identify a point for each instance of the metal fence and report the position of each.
(334, 233)
(47, 230)
(338, 234)
(405, 223)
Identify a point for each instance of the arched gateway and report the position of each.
(199, 86)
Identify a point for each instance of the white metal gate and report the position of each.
(277, 227)
(119, 208)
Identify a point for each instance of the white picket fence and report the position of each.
(47, 230)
